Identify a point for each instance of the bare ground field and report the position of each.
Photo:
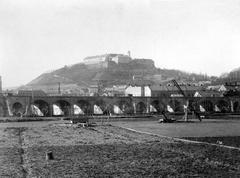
(107, 151)
(193, 128)
(224, 131)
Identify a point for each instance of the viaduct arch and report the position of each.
(67, 105)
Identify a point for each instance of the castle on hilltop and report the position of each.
(108, 60)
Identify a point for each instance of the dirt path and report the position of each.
(21, 149)
(11, 160)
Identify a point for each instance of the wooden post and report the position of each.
(231, 104)
(50, 109)
(147, 106)
(134, 108)
(49, 155)
(186, 111)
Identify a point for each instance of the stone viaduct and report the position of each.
(74, 105)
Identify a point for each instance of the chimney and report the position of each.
(59, 88)
(129, 53)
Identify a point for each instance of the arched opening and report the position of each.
(117, 109)
(141, 108)
(62, 107)
(17, 109)
(192, 105)
(125, 107)
(223, 106)
(156, 107)
(85, 107)
(236, 106)
(43, 106)
(77, 110)
(176, 105)
(100, 107)
(206, 106)
(109, 109)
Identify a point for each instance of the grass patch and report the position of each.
(134, 160)
(108, 151)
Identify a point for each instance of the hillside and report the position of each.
(232, 76)
(82, 76)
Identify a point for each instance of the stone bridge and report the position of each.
(74, 105)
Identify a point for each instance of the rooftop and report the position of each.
(174, 88)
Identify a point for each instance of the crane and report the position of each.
(190, 107)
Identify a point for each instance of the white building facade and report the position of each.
(138, 91)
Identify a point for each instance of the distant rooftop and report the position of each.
(174, 88)
(31, 93)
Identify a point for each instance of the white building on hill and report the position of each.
(138, 91)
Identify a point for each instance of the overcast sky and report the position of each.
(36, 36)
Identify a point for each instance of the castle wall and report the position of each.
(94, 60)
(104, 61)
(121, 59)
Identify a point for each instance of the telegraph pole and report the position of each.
(59, 88)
